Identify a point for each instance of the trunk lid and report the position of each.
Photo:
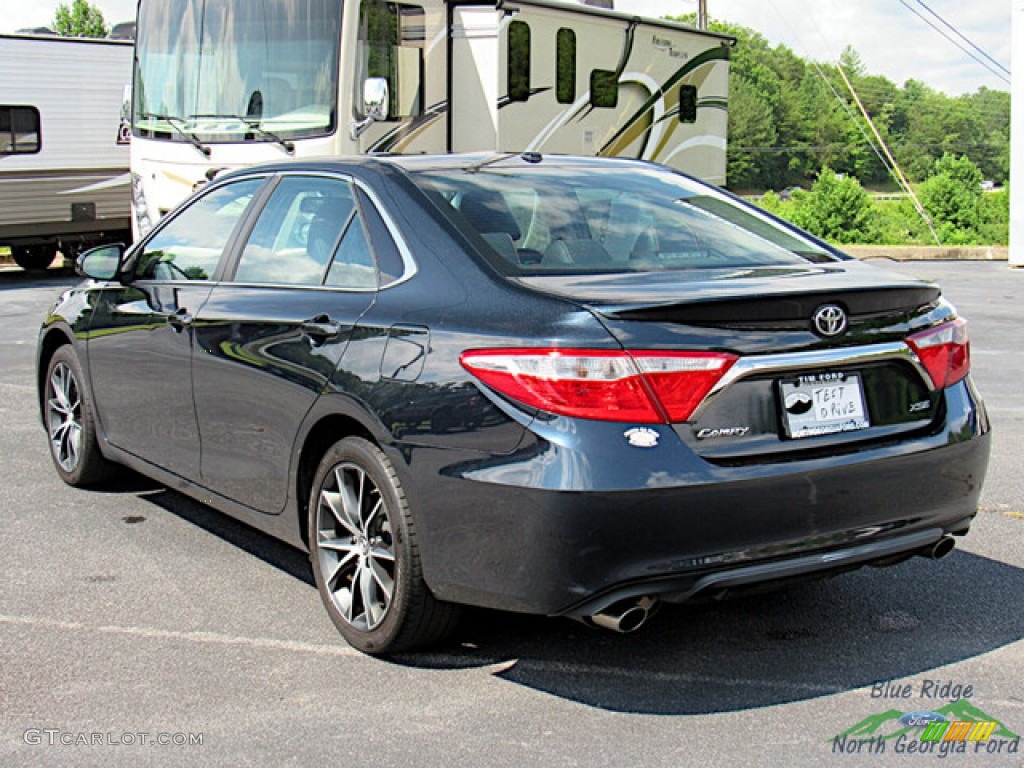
(865, 374)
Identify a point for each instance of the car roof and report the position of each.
(439, 162)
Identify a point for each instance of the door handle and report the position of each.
(180, 320)
(321, 329)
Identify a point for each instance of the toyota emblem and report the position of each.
(829, 320)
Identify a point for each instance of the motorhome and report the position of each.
(223, 84)
(64, 180)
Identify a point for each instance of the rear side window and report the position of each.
(316, 231)
(297, 232)
(190, 246)
(20, 131)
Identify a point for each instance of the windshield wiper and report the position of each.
(173, 121)
(254, 125)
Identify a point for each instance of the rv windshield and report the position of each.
(228, 70)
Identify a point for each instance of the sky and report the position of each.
(890, 39)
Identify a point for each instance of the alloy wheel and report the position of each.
(64, 417)
(355, 546)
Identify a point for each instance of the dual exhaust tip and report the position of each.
(629, 615)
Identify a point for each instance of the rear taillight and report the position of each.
(645, 387)
(944, 351)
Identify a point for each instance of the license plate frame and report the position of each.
(819, 404)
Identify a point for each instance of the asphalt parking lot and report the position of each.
(140, 628)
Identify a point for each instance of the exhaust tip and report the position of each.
(941, 548)
(625, 616)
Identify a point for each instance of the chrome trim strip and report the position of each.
(761, 364)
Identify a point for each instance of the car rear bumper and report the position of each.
(565, 527)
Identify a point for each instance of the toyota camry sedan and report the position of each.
(564, 386)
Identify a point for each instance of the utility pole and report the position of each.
(702, 14)
(1017, 137)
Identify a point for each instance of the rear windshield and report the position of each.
(537, 219)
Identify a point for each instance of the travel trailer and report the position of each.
(64, 180)
(221, 85)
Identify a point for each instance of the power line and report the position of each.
(946, 35)
(962, 36)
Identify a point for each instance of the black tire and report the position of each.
(33, 258)
(71, 423)
(362, 544)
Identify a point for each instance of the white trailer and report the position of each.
(64, 181)
(229, 83)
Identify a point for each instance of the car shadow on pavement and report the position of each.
(805, 641)
(802, 642)
(272, 551)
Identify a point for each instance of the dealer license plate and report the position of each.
(822, 404)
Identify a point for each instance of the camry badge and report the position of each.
(642, 437)
(829, 320)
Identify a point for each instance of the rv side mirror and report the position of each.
(376, 98)
(375, 105)
(101, 263)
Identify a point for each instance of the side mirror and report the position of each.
(101, 263)
(376, 97)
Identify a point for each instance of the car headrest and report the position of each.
(487, 211)
(577, 251)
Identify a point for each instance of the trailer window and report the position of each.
(565, 66)
(518, 61)
(391, 43)
(687, 104)
(19, 130)
(604, 88)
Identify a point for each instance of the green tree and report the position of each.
(952, 197)
(751, 135)
(836, 209)
(80, 19)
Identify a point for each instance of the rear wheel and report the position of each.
(365, 557)
(33, 257)
(71, 423)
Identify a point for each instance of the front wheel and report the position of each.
(365, 558)
(71, 423)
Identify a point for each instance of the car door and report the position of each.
(141, 333)
(270, 338)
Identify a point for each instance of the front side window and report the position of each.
(588, 217)
(190, 246)
(234, 71)
(19, 130)
(391, 43)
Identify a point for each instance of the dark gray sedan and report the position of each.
(566, 386)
